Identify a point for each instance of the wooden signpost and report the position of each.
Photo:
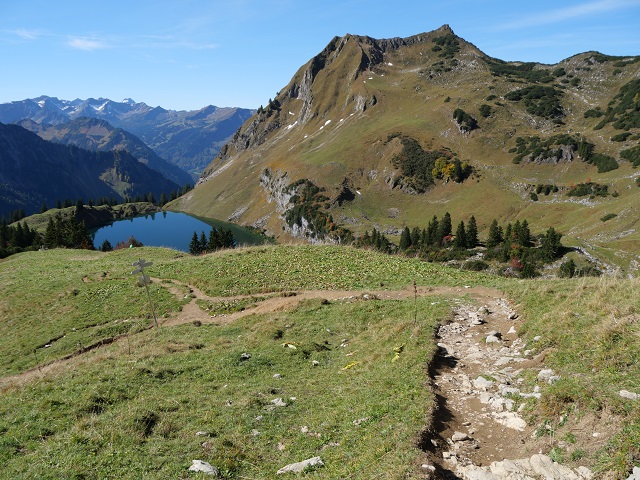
(144, 279)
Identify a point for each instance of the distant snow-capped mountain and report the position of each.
(188, 139)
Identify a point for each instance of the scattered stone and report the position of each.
(635, 475)
(547, 468)
(255, 432)
(258, 418)
(513, 316)
(494, 333)
(587, 474)
(492, 339)
(512, 330)
(547, 375)
(301, 466)
(277, 375)
(202, 433)
(360, 421)
(629, 395)
(204, 467)
(245, 356)
(315, 363)
(511, 420)
(460, 437)
(278, 402)
(482, 383)
(428, 468)
(281, 446)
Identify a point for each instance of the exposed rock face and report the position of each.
(275, 186)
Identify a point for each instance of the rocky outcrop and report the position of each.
(275, 186)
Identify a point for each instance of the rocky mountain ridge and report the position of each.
(350, 114)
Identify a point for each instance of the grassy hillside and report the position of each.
(90, 390)
(332, 123)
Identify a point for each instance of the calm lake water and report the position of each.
(168, 229)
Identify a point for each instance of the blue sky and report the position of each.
(186, 54)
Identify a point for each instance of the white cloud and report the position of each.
(562, 14)
(87, 44)
(27, 34)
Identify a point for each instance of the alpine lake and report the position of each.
(170, 229)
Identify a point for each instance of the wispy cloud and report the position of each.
(562, 14)
(27, 34)
(87, 44)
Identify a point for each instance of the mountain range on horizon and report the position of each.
(187, 139)
(374, 134)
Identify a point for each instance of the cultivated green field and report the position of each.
(131, 408)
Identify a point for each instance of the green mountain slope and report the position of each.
(344, 119)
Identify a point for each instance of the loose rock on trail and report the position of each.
(479, 432)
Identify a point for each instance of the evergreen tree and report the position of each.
(550, 247)
(106, 246)
(524, 235)
(508, 235)
(405, 239)
(4, 234)
(461, 237)
(472, 233)
(194, 245)
(458, 175)
(495, 235)
(203, 242)
(366, 239)
(50, 234)
(432, 231)
(416, 236)
(444, 228)
(215, 242)
(43, 207)
(228, 240)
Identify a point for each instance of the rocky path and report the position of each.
(479, 432)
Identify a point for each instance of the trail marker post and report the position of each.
(144, 279)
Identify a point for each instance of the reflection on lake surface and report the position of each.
(169, 229)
